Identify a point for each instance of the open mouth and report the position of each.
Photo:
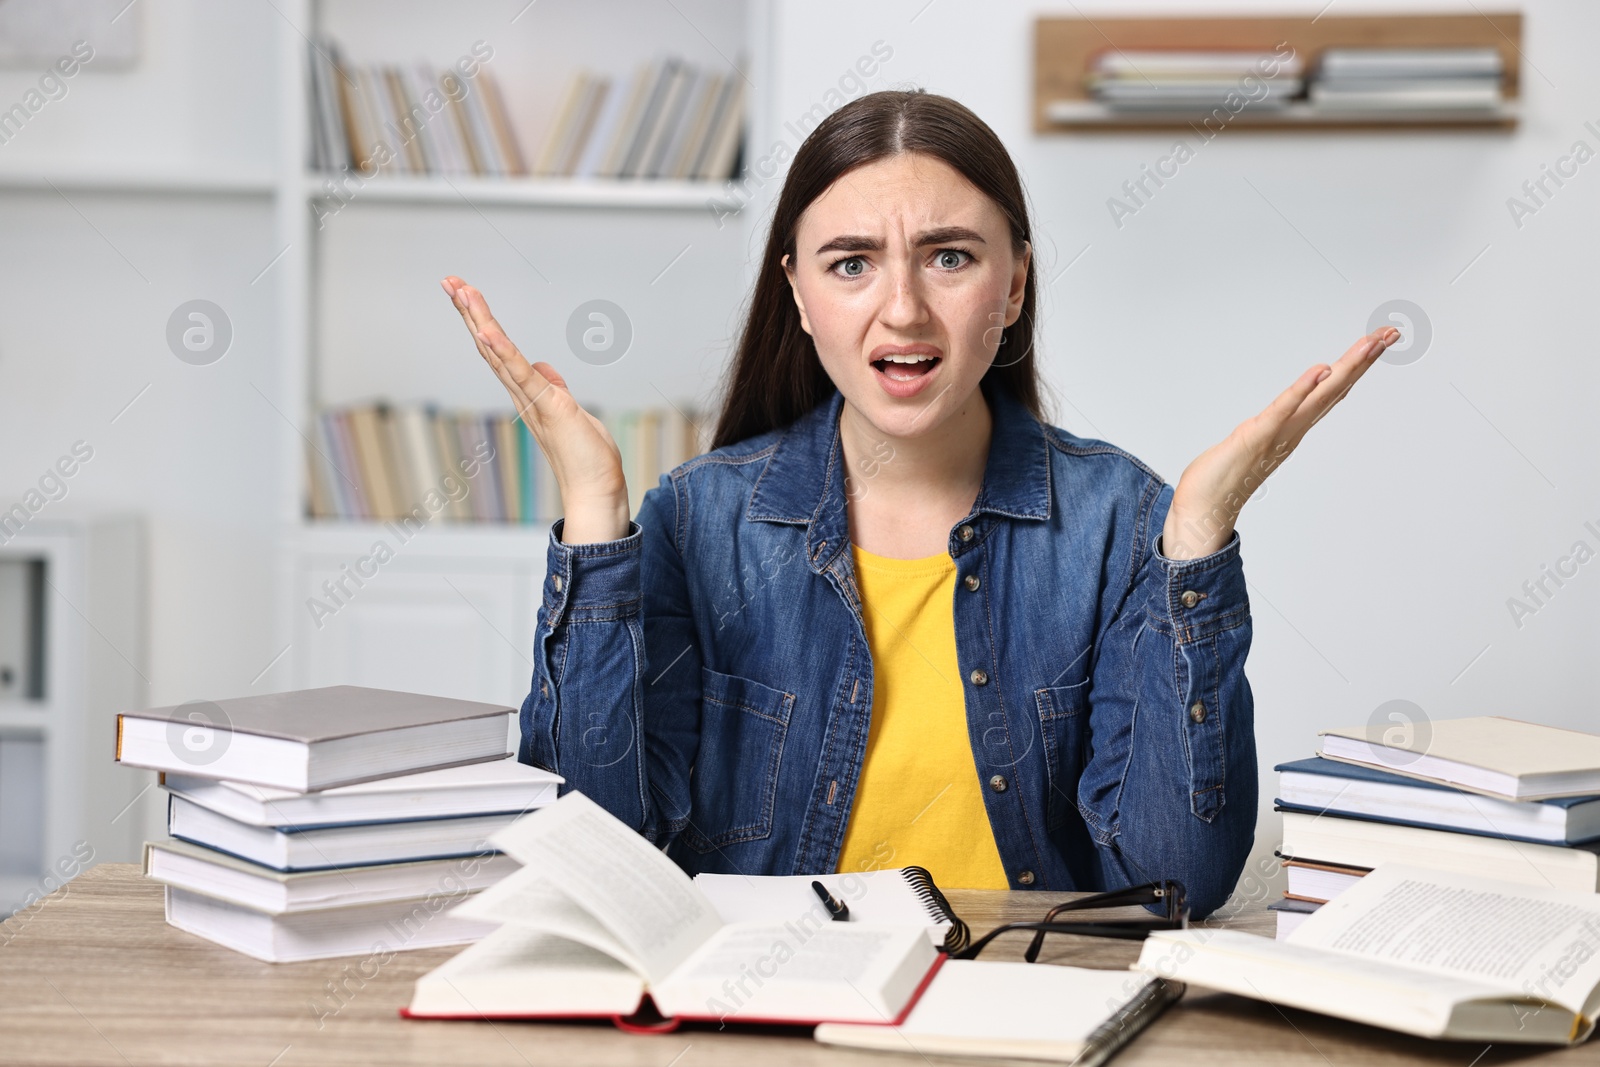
(906, 368)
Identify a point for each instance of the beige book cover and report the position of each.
(367, 429)
(506, 455)
(1509, 749)
(704, 109)
(583, 126)
(557, 132)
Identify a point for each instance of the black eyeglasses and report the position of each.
(1169, 893)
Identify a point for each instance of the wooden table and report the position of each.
(92, 975)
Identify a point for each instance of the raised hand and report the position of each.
(1213, 488)
(582, 455)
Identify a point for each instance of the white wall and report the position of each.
(1381, 557)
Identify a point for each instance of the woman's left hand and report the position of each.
(1215, 486)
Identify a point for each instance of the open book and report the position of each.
(1421, 951)
(598, 917)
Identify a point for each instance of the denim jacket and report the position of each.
(707, 677)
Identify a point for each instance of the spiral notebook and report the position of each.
(899, 896)
(1019, 1011)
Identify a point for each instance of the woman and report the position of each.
(894, 617)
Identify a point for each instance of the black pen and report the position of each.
(838, 909)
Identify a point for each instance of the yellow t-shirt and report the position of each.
(918, 802)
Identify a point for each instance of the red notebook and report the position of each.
(599, 923)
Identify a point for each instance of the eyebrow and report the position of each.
(851, 242)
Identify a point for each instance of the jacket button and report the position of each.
(556, 581)
(1025, 878)
(998, 783)
(965, 532)
(1197, 712)
(1189, 597)
(971, 582)
(979, 676)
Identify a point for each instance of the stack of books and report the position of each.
(1184, 80)
(1407, 79)
(330, 822)
(378, 462)
(1467, 796)
(407, 119)
(669, 120)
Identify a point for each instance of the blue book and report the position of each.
(1320, 785)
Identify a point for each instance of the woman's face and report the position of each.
(906, 258)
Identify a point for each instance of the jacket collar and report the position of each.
(803, 480)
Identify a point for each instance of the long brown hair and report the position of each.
(776, 375)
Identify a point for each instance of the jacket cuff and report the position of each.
(598, 577)
(1202, 596)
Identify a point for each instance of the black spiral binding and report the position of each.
(959, 936)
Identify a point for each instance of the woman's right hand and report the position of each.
(580, 450)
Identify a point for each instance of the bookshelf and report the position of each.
(451, 610)
(1064, 49)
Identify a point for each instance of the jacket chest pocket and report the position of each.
(1062, 709)
(735, 779)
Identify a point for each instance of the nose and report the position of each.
(905, 304)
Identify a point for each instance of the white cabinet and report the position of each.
(64, 804)
(451, 611)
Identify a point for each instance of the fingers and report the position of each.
(1288, 402)
(455, 287)
(551, 374)
(522, 382)
(1341, 378)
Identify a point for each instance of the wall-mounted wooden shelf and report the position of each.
(1065, 47)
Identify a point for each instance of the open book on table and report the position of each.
(1422, 951)
(597, 918)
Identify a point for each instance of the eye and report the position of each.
(942, 258)
(847, 262)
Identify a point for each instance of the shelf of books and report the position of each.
(668, 134)
(1205, 74)
(417, 464)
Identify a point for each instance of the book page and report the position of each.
(1281, 972)
(1541, 943)
(516, 971)
(882, 896)
(803, 971)
(531, 903)
(639, 895)
(835, 952)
